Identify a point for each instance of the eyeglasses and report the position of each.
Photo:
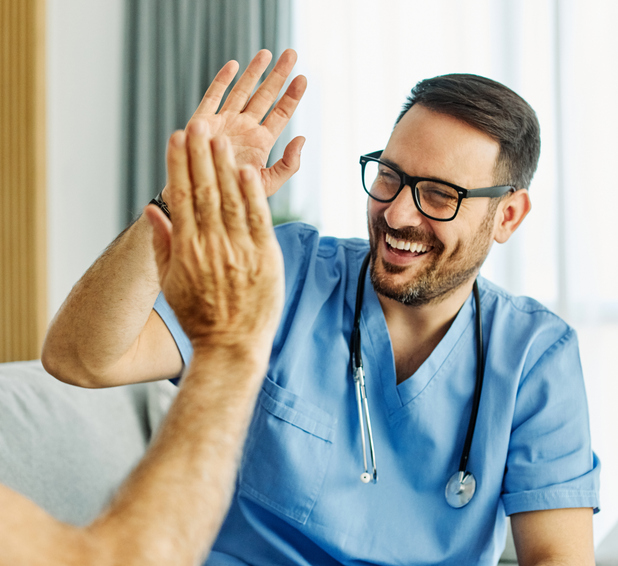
(435, 199)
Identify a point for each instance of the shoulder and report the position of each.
(498, 298)
(304, 251)
(520, 319)
(304, 237)
(524, 332)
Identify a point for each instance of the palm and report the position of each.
(251, 142)
(241, 117)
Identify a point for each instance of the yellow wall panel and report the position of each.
(23, 285)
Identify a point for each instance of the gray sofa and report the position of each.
(68, 449)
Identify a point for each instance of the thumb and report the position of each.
(283, 169)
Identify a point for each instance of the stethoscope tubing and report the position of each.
(461, 486)
(478, 388)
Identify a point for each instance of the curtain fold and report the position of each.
(173, 51)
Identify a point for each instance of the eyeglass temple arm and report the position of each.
(491, 192)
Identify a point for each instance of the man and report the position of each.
(171, 507)
(301, 498)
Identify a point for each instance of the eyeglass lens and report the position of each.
(434, 198)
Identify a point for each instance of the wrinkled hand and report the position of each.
(220, 266)
(242, 116)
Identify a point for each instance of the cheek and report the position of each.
(374, 208)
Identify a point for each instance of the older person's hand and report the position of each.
(220, 266)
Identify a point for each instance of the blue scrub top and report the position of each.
(299, 498)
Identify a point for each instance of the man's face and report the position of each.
(440, 256)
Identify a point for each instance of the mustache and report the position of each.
(411, 233)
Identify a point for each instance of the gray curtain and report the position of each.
(174, 48)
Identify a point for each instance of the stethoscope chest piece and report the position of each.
(460, 489)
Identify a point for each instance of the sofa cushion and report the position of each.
(67, 448)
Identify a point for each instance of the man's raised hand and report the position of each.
(245, 118)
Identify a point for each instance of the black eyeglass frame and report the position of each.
(407, 180)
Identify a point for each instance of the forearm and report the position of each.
(98, 326)
(554, 537)
(185, 483)
(171, 507)
(563, 561)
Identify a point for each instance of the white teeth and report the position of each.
(413, 247)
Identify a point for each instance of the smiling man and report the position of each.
(393, 355)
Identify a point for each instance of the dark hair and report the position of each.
(495, 110)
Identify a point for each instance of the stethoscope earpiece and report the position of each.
(365, 477)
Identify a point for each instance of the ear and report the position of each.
(510, 214)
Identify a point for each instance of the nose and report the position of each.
(402, 211)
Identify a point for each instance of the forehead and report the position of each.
(428, 144)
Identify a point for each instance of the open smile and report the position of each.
(405, 248)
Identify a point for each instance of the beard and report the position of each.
(442, 276)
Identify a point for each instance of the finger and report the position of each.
(206, 196)
(240, 94)
(283, 169)
(161, 237)
(179, 186)
(269, 90)
(280, 115)
(211, 100)
(232, 203)
(259, 219)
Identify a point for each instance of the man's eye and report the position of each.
(388, 175)
(437, 195)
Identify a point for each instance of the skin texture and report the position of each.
(221, 246)
(106, 332)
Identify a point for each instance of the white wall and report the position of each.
(84, 66)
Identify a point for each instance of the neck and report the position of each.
(416, 331)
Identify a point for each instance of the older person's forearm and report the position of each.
(170, 509)
(195, 457)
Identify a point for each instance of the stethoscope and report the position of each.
(461, 486)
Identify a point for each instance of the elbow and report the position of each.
(63, 363)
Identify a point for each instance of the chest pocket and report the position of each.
(287, 453)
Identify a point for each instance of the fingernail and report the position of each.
(246, 174)
(178, 138)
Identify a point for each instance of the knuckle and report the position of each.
(281, 112)
(233, 207)
(178, 193)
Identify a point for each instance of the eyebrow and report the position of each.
(392, 164)
(395, 166)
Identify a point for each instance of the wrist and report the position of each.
(224, 372)
(250, 356)
(161, 203)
